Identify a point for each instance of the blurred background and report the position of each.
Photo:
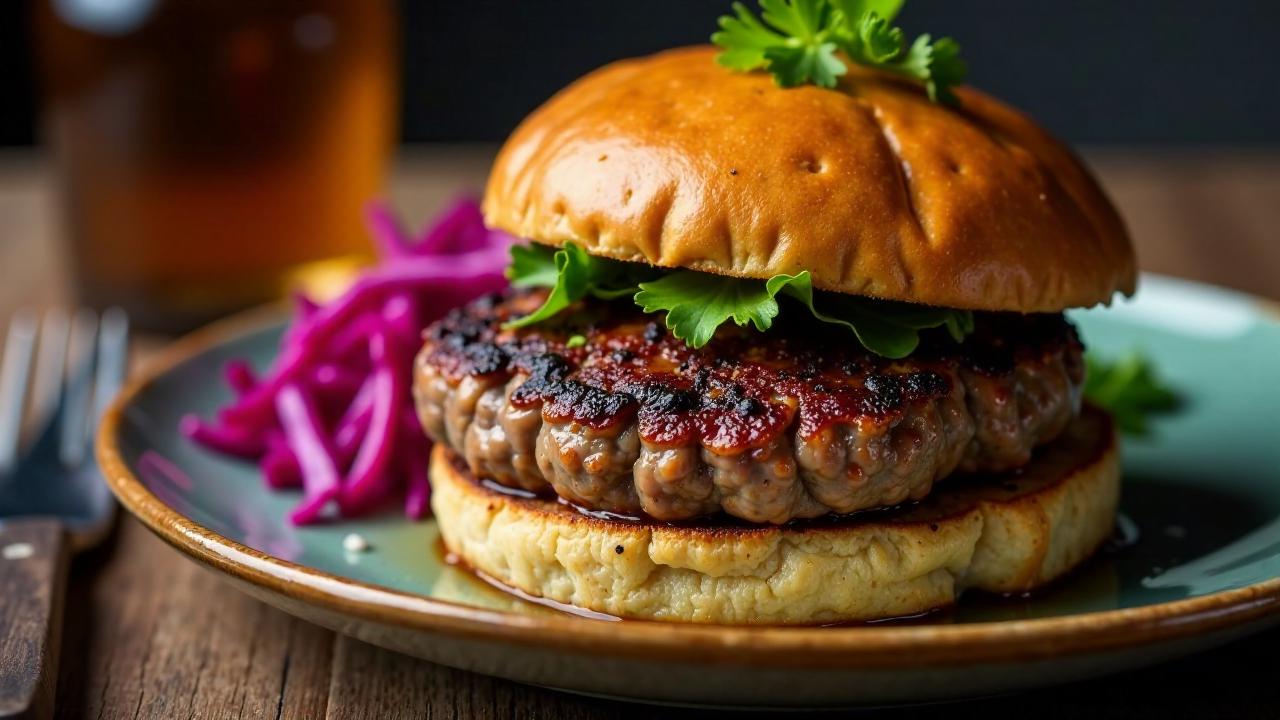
(186, 158)
(1093, 71)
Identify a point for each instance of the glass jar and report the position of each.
(213, 153)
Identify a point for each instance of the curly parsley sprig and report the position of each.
(697, 303)
(800, 41)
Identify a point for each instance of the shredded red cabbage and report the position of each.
(334, 413)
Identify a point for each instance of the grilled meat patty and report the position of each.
(795, 423)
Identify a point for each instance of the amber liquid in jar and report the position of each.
(212, 153)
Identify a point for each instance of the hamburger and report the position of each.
(776, 355)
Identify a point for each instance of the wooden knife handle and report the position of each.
(33, 572)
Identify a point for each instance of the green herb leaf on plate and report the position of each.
(1130, 389)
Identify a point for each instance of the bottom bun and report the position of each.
(1007, 534)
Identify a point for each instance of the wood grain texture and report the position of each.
(33, 570)
(370, 682)
(157, 639)
(149, 635)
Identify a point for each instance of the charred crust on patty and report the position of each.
(794, 424)
(468, 342)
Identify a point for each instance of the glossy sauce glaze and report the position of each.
(739, 391)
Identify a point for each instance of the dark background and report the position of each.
(1096, 71)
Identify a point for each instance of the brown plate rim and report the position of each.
(780, 647)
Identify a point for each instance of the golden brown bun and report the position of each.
(675, 161)
(1009, 535)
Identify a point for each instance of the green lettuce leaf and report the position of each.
(572, 274)
(532, 266)
(884, 328)
(696, 304)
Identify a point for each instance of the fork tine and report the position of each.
(46, 389)
(76, 398)
(113, 354)
(14, 371)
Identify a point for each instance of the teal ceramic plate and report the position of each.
(1202, 494)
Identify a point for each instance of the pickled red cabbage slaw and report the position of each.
(334, 415)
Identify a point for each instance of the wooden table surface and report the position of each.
(149, 634)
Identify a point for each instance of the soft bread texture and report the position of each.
(1005, 534)
(675, 161)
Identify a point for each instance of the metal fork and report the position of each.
(52, 497)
